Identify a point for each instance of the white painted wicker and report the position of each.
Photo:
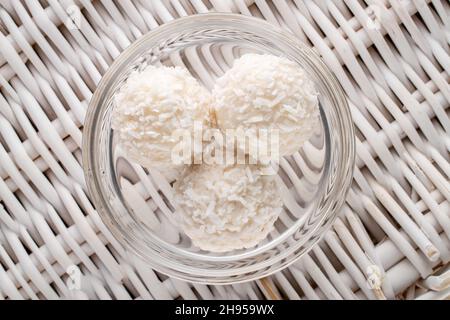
(392, 239)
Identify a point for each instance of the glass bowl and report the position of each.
(135, 202)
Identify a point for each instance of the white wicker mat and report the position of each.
(392, 237)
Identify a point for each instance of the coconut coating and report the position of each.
(151, 106)
(268, 92)
(223, 208)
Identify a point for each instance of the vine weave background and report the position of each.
(393, 234)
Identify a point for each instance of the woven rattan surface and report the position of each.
(392, 237)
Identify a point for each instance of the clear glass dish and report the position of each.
(135, 203)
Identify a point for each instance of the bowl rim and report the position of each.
(91, 167)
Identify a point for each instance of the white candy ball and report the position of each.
(223, 208)
(151, 106)
(268, 92)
